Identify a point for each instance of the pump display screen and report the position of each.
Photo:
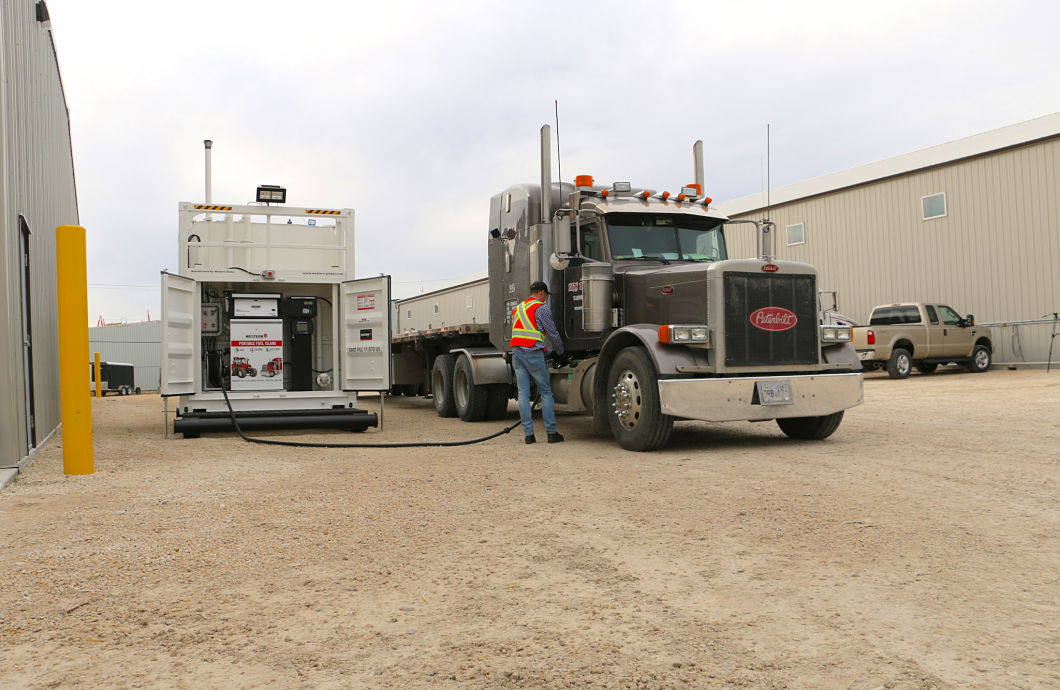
(665, 237)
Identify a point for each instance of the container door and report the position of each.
(365, 329)
(180, 320)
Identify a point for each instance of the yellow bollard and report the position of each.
(98, 375)
(75, 400)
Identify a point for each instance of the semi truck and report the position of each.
(659, 322)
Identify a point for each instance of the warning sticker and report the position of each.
(365, 302)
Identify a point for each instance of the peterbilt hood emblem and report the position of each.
(773, 319)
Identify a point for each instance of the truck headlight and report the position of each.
(681, 335)
(836, 334)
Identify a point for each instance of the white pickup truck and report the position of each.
(901, 336)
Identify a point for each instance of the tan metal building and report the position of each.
(973, 223)
(37, 194)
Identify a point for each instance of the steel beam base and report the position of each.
(191, 424)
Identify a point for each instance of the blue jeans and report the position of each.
(529, 364)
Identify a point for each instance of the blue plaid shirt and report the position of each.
(547, 325)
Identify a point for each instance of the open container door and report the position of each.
(180, 317)
(366, 361)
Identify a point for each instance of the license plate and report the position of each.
(865, 354)
(774, 392)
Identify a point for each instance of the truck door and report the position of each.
(365, 334)
(180, 317)
(957, 340)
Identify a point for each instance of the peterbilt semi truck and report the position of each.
(660, 324)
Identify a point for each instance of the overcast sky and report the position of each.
(415, 113)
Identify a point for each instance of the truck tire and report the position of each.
(471, 401)
(811, 428)
(924, 368)
(497, 401)
(442, 385)
(900, 364)
(980, 360)
(635, 416)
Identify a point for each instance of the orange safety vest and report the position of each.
(524, 327)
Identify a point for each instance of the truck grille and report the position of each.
(750, 345)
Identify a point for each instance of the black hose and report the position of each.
(298, 444)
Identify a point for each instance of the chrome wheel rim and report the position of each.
(903, 365)
(982, 359)
(626, 400)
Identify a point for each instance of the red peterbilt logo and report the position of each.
(773, 319)
(771, 268)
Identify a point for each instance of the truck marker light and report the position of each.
(664, 334)
(604, 192)
(681, 196)
(871, 337)
(707, 201)
(665, 195)
(583, 181)
(645, 194)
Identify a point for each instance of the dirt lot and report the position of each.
(917, 548)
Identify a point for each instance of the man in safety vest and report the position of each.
(529, 319)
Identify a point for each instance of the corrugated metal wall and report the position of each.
(458, 305)
(37, 183)
(996, 252)
(139, 344)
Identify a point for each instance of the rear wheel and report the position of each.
(924, 368)
(442, 385)
(900, 364)
(471, 401)
(981, 359)
(811, 428)
(636, 417)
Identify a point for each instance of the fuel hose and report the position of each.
(301, 444)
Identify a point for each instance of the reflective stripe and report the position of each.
(523, 327)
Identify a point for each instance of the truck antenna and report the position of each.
(559, 160)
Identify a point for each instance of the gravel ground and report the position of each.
(916, 548)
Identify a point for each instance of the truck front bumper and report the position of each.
(734, 399)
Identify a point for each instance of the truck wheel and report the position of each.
(980, 360)
(636, 419)
(442, 385)
(497, 401)
(811, 428)
(900, 364)
(927, 368)
(470, 400)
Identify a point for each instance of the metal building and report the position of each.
(972, 223)
(37, 194)
(139, 344)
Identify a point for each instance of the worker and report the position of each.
(529, 319)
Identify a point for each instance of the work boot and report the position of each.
(555, 438)
(532, 439)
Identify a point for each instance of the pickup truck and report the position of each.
(901, 336)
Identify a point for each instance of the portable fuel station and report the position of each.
(265, 322)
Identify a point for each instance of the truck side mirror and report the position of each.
(969, 320)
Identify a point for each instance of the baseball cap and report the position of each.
(538, 286)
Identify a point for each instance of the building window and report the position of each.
(796, 234)
(436, 309)
(409, 314)
(467, 301)
(933, 206)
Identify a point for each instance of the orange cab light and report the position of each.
(666, 195)
(604, 192)
(645, 194)
(583, 181)
(707, 200)
(681, 197)
(664, 334)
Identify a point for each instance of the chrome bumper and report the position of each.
(733, 399)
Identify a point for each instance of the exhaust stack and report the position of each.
(697, 164)
(546, 174)
(208, 144)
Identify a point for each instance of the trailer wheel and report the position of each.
(471, 401)
(900, 364)
(137, 391)
(497, 401)
(811, 428)
(636, 418)
(442, 385)
(924, 368)
(980, 360)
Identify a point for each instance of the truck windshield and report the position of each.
(665, 237)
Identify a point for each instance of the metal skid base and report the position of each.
(192, 424)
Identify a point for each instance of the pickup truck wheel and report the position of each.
(900, 364)
(811, 428)
(636, 418)
(981, 359)
(924, 368)
(497, 401)
(442, 385)
(470, 400)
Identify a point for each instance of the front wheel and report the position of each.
(636, 417)
(900, 364)
(981, 359)
(811, 428)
